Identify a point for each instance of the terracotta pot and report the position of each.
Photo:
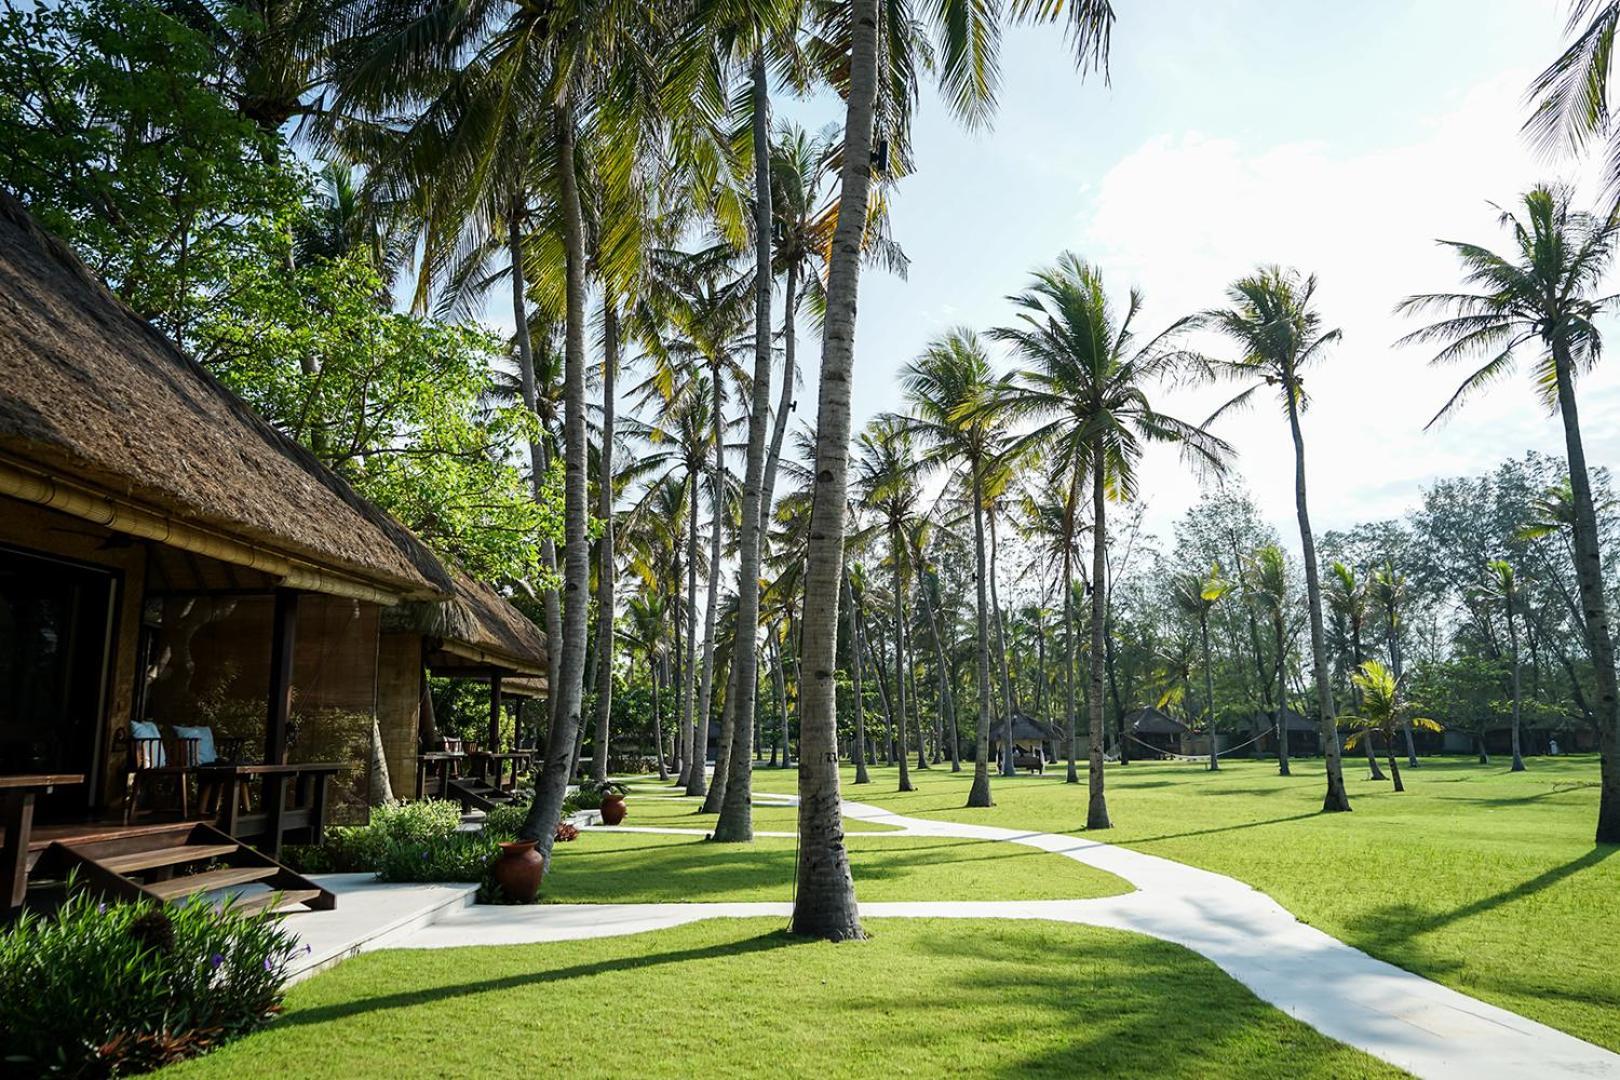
(518, 870)
(613, 809)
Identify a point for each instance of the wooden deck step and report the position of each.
(175, 888)
(276, 900)
(169, 856)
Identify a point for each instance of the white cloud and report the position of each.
(1184, 214)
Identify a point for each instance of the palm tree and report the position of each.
(964, 61)
(1051, 513)
(857, 691)
(1268, 568)
(1389, 593)
(1195, 595)
(1384, 711)
(1571, 96)
(927, 583)
(648, 630)
(1545, 295)
(1347, 597)
(1502, 583)
(1279, 334)
(950, 388)
(884, 476)
(1086, 382)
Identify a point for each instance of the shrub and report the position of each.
(503, 822)
(461, 856)
(353, 848)
(109, 990)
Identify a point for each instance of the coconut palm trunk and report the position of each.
(1282, 693)
(1594, 605)
(697, 780)
(1069, 659)
(947, 700)
(1513, 643)
(539, 456)
(552, 784)
(736, 812)
(1007, 700)
(1336, 798)
(859, 755)
(1097, 807)
(824, 905)
(898, 584)
(1209, 691)
(689, 672)
(605, 571)
(654, 676)
(979, 794)
(779, 677)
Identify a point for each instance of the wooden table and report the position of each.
(17, 794)
(267, 827)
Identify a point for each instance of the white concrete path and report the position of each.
(1418, 1025)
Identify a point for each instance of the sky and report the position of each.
(1338, 138)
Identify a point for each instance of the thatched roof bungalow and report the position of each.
(169, 561)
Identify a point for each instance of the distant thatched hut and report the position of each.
(1153, 731)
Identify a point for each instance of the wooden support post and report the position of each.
(17, 816)
(495, 714)
(283, 642)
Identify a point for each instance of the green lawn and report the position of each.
(741, 998)
(604, 866)
(656, 804)
(1476, 877)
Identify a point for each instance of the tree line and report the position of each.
(318, 196)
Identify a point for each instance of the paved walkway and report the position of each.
(1418, 1025)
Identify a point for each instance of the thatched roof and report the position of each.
(94, 396)
(1151, 721)
(476, 628)
(1294, 720)
(1026, 729)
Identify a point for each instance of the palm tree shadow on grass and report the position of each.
(1209, 832)
(405, 999)
(1400, 923)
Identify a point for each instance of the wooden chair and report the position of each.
(154, 759)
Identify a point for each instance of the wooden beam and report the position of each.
(494, 714)
(283, 640)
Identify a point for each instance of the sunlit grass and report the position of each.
(1485, 880)
(658, 804)
(740, 998)
(604, 866)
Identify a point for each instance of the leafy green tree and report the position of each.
(394, 403)
(1545, 295)
(1278, 332)
(116, 133)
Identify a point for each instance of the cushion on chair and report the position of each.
(143, 729)
(207, 754)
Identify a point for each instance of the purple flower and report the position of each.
(308, 948)
(215, 960)
(101, 909)
(424, 856)
(267, 963)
